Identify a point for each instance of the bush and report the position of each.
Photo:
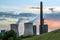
(10, 35)
(11, 38)
(1, 37)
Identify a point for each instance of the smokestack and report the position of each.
(41, 18)
(41, 13)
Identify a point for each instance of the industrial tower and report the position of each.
(43, 27)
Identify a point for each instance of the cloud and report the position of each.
(10, 7)
(53, 21)
(45, 9)
(55, 17)
(36, 9)
(28, 8)
(6, 8)
(52, 24)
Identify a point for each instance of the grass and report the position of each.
(54, 35)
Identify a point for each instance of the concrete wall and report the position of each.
(44, 28)
(15, 28)
(34, 29)
(28, 29)
(21, 29)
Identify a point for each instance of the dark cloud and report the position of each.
(34, 7)
(52, 16)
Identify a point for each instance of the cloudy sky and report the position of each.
(25, 5)
(33, 7)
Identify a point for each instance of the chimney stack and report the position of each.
(41, 18)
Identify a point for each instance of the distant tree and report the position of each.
(1, 36)
(10, 35)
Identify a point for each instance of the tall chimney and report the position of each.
(41, 18)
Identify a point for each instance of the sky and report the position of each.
(19, 6)
(25, 5)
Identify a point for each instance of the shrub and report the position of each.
(10, 34)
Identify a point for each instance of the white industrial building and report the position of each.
(24, 28)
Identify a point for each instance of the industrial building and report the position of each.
(34, 29)
(43, 28)
(15, 28)
(2, 32)
(28, 29)
(24, 29)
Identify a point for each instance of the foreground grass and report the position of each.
(54, 35)
(31, 38)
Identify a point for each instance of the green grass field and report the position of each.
(54, 35)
